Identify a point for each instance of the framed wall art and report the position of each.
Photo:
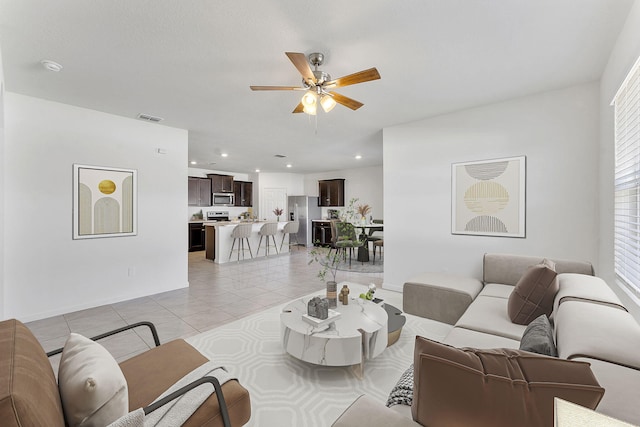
(104, 202)
(488, 197)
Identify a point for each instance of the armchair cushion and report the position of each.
(499, 387)
(151, 373)
(92, 387)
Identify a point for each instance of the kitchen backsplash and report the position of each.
(234, 212)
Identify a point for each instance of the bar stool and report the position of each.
(241, 233)
(377, 244)
(267, 230)
(290, 228)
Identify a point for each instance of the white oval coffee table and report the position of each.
(359, 334)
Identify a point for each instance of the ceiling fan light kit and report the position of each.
(317, 83)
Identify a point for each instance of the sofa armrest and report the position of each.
(367, 412)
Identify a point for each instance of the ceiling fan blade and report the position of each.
(276, 88)
(346, 101)
(301, 63)
(299, 108)
(351, 79)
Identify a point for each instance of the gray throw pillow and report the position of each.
(538, 337)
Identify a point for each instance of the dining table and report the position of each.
(363, 251)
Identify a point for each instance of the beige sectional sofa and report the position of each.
(591, 325)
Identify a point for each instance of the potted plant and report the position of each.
(364, 210)
(277, 212)
(348, 214)
(328, 261)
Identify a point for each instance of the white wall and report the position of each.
(293, 184)
(365, 184)
(46, 271)
(623, 56)
(558, 133)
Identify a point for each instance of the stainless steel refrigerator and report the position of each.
(304, 209)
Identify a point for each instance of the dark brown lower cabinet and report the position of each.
(321, 233)
(210, 243)
(196, 237)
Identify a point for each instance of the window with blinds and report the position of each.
(627, 181)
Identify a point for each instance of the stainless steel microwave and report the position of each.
(222, 199)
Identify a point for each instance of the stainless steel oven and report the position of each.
(222, 199)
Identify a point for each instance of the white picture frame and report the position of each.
(104, 202)
(488, 197)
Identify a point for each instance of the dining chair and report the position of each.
(374, 238)
(377, 244)
(347, 238)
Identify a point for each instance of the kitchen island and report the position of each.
(218, 241)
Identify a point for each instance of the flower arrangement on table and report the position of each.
(277, 212)
(364, 210)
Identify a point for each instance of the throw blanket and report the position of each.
(402, 393)
(176, 412)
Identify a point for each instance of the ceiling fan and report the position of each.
(317, 84)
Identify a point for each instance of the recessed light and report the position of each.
(289, 165)
(51, 65)
(358, 157)
(257, 170)
(193, 162)
(224, 154)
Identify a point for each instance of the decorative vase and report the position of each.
(278, 218)
(332, 294)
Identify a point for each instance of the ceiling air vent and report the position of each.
(150, 118)
(280, 156)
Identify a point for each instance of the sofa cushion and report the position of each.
(489, 315)
(439, 296)
(368, 412)
(538, 337)
(580, 287)
(622, 387)
(597, 331)
(499, 387)
(28, 389)
(496, 290)
(463, 337)
(92, 387)
(534, 293)
(508, 268)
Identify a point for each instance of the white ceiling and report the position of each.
(191, 62)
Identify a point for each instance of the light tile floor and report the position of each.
(217, 294)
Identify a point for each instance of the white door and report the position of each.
(270, 199)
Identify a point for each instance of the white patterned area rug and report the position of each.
(288, 392)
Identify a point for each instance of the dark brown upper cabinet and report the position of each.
(221, 183)
(243, 193)
(199, 191)
(331, 192)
